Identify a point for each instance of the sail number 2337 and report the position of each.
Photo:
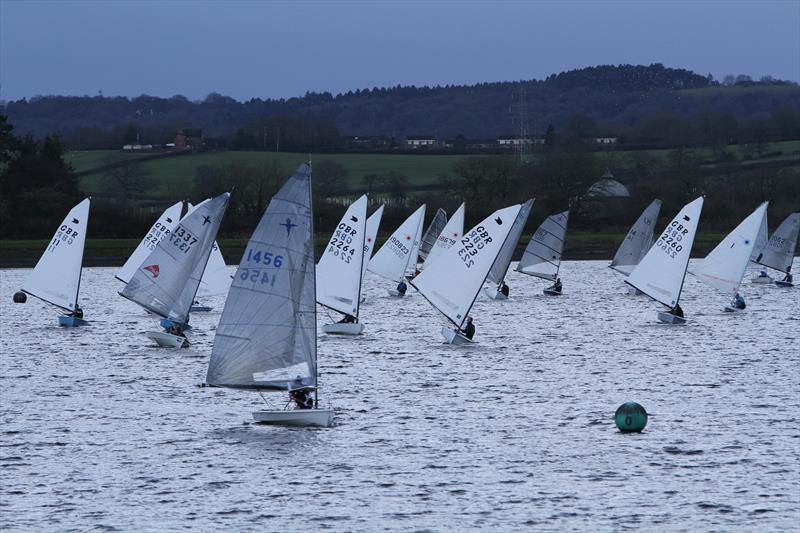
(257, 274)
(472, 243)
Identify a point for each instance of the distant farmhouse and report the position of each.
(606, 139)
(510, 141)
(189, 139)
(415, 142)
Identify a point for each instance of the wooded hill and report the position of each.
(645, 104)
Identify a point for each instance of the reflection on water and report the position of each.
(102, 430)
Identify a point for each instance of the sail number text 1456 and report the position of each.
(260, 275)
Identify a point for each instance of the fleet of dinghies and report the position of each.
(266, 339)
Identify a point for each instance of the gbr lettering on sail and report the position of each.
(670, 241)
(472, 243)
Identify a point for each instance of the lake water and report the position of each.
(101, 430)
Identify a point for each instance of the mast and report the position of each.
(360, 267)
(314, 278)
(83, 253)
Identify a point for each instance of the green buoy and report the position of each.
(630, 417)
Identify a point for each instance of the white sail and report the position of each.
(266, 337)
(453, 281)
(392, 259)
(165, 223)
(779, 251)
(661, 271)
(761, 240)
(432, 233)
(411, 268)
(371, 234)
(216, 278)
(500, 268)
(56, 279)
(166, 282)
(723, 268)
(451, 233)
(339, 269)
(542, 257)
(638, 240)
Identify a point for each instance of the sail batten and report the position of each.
(266, 337)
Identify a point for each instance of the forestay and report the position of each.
(542, 257)
(373, 224)
(432, 233)
(661, 271)
(723, 268)
(453, 281)
(779, 251)
(266, 337)
(392, 259)
(56, 279)
(339, 269)
(165, 223)
(498, 272)
(450, 234)
(167, 280)
(638, 240)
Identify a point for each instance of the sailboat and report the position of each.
(450, 234)
(497, 274)
(216, 279)
(637, 242)
(432, 233)
(412, 269)
(542, 257)
(778, 252)
(724, 267)
(160, 229)
(370, 236)
(661, 272)
(452, 283)
(339, 271)
(392, 259)
(166, 282)
(266, 339)
(56, 279)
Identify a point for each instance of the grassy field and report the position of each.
(114, 252)
(176, 173)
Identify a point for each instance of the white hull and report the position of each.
(551, 292)
(454, 337)
(762, 280)
(296, 417)
(395, 293)
(343, 329)
(785, 284)
(494, 294)
(71, 321)
(167, 340)
(668, 318)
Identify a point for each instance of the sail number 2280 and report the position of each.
(260, 275)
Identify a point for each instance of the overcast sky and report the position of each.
(282, 49)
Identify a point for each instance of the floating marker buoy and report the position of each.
(630, 416)
(20, 297)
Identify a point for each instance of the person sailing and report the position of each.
(402, 288)
(788, 277)
(504, 289)
(348, 319)
(676, 311)
(301, 398)
(556, 286)
(77, 313)
(469, 329)
(175, 329)
(763, 273)
(738, 301)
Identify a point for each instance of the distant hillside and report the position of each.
(610, 97)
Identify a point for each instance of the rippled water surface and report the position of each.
(102, 430)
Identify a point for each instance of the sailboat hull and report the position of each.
(766, 280)
(551, 292)
(167, 340)
(494, 294)
(784, 284)
(668, 318)
(453, 337)
(71, 322)
(296, 418)
(731, 309)
(167, 323)
(343, 329)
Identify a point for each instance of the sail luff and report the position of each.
(500, 268)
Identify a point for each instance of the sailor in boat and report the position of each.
(738, 301)
(348, 319)
(556, 286)
(788, 277)
(504, 289)
(175, 329)
(676, 311)
(469, 329)
(763, 273)
(77, 313)
(302, 398)
(402, 288)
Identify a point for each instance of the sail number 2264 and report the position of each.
(257, 274)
